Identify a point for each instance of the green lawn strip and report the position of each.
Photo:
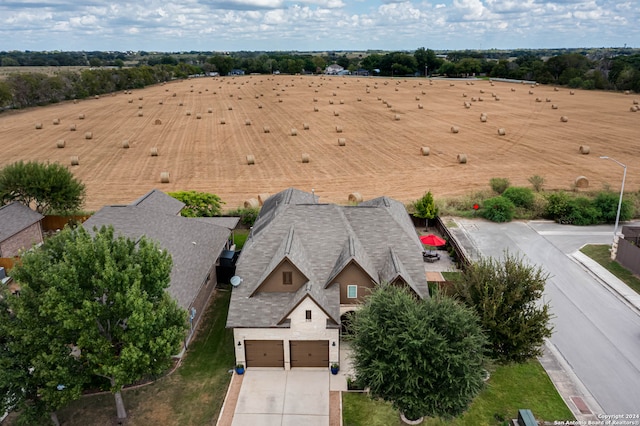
(510, 388)
(192, 395)
(239, 237)
(450, 276)
(600, 253)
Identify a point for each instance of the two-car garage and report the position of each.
(303, 353)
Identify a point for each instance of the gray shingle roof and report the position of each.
(159, 201)
(14, 218)
(194, 245)
(325, 237)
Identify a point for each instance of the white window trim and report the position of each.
(349, 287)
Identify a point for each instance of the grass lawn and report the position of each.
(510, 388)
(192, 395)
(600, 253)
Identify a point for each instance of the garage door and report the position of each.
(309, 353)
(264, 353)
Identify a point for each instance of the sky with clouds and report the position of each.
(316, 25)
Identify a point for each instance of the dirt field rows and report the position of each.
(381, 121)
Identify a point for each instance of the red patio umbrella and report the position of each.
(432, 240)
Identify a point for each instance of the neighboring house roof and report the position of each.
(194, 244)
(334, 68)
(320, 240)
(159, 201)
(16, 217)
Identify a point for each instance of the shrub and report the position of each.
(537, 182)
(499, 185)
(607, 204)
(498, 209)
(247, 216)
(558, 205)
(519, 196)
(582, 212)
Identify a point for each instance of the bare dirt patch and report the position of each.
(382, 124)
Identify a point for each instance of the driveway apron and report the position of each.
(277, 397)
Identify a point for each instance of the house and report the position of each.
(306, 267)
(333, 69)
(20, 229)
(195, 244)
(627, 251)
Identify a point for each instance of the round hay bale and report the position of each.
(483, 118)
(160, 102)
(60, 143)
(125, 144)
(481, 90)
(130, 100)
(555, 89)
(251, 203)
(263, 197)
(305, 158)
(531, 92)
(513, 89)
(315, 109)
(250, 160)
(75, 101)
(635, 102)
(56, 121)
(417, 98)
(338, 129)
(158, 121)
(420, 106)
(467, 105)
(480, 99)
(209, 110)
(294, 132)
(75, 161)
(564, 118)
(355, 197)
(164, 177)
(497, 98)
(140, 114)
(425, 151)
(88, 135)
(341, 102)
(96, 97)
(396, 117)
(634, 108)
(336, 114)
(80, 116)
(259, 106)
(330, 101)
(154, 152)
(38, 125)
(547, 100)
(342, 141)
(305, 126)
(188, 112)
(174, 95)
(454, 129)
(140, 106)
(627, 92)
(198, 116)
(464, 95)
(572, 92)
(502, 132)
(584, 149)
(265, 129)
(280, 101)
(140, 98)
(554, 106)
(582, 182)
(462, 158)
(72, 128)
(222, 121)
(230, 108)
(181, 104)
(538, 100)
(315, 99)
(247, 122)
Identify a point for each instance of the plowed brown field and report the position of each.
(382, 154)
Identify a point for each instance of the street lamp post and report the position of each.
(624, 177)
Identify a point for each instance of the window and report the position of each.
(287, 277)
(352, 291)
(308, 315)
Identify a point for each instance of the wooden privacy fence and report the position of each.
(7, 263)
(55, 222)
(460, 252)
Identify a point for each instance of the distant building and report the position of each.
(20, 229)
(236, 71)
(333, 69)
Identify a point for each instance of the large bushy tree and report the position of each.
(45, 187)
(424, 356)
(104, 297)
(425, 207)
(199, 204)
(506, 296)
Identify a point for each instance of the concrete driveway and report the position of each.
(277, 397)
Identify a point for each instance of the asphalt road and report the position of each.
(597, 333)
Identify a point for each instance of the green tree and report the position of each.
(426, 207)
(105, 296)
(520, 196)
(47, 187)
(198, 204)
(607, 204)
(506, 296)
(423, 356)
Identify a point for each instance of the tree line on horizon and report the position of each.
(114, 71)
